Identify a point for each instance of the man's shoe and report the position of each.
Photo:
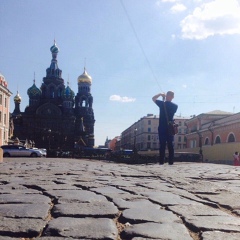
(170, 163)
(161, 163)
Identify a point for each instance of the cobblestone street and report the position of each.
(56, 199)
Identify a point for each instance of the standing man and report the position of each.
(164, 137)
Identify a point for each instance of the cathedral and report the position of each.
(56, 118)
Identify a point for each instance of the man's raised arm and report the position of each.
(154, 98)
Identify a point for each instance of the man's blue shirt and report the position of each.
(171, 110)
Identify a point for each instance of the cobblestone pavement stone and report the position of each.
(57, 199)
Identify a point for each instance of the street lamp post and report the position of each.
(135, 157)
(49, 138)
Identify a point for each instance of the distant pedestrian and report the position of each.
(236, 160)
(169, 108)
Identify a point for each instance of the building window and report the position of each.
(149, 129)
(217, 140)
(52, 92)
(149, 122)
(179, 139)
(149, 137)
(59, 92)
(179, 123)
(206, 141)
(0, 116)
(5, 118)
(193, 143)
(5, 102)
(231, 138)
(1, 99)
(148, 145)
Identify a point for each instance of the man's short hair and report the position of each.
(170, 93)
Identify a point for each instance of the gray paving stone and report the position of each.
(163, 231)
(133, 215)
(8, 238)
(217, 235)
(21, 227)
(35, 210)
(53, 186)
(167, 198)
(224, 198)
(97, 209)
(89, 228)
(108, 189)
(196, 210)
(10, 190)
(56, 238)
(212, 223)
(134, 203)
(24, 198)
(70, 196)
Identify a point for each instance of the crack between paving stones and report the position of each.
(120, 226)
(224, 208)
(193, 230)
(54, 201)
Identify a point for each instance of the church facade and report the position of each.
(56, 118)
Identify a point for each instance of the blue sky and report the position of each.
(132, 49)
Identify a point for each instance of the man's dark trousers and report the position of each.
(164, 139)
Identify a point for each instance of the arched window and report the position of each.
(231, 138)
(52, 92)
(59, 92)
(217, 140)
(206, 141)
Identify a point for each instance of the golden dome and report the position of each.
(85, 78)
(17, 98)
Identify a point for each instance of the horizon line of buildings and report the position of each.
(196, 133)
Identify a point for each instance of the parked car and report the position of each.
(42, 150)
(20, 151)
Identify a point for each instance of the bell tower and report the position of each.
(84, 110)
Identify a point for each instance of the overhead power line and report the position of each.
(139, 43)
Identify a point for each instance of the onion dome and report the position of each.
(68, 93)
(17, 98)
(54, 48)
(85, 78)
(34, 91)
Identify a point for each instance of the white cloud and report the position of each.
(178, 8)
(184, 85)
(218, 17)
(118, 98)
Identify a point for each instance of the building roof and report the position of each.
(218, 112)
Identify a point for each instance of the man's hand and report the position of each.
(163, 95)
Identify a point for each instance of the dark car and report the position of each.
(20, 151)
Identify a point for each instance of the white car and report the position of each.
(42, 150)
(20, 151)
